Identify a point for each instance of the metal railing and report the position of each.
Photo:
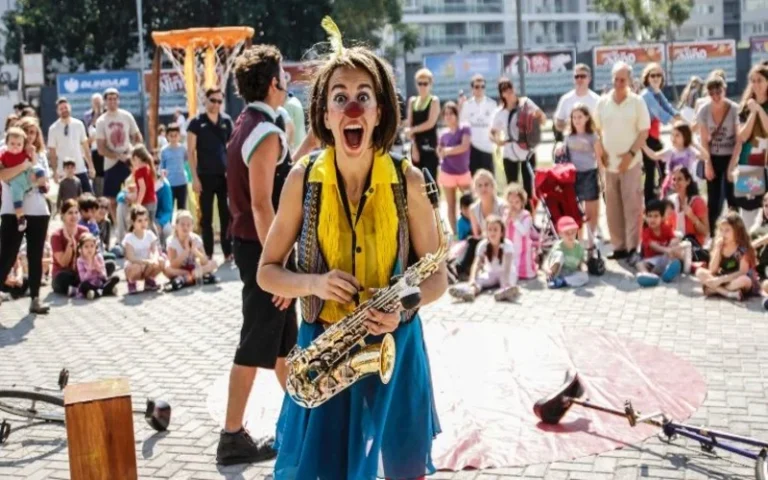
(463, 40)
(464, 8)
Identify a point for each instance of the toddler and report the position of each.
(566, 259)
(187, 260)
(13, 156)
(92, 270)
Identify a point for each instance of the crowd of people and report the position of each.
(614, 143)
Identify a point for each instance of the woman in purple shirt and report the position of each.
(453, 150)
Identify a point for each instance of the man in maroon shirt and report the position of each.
(257, 165)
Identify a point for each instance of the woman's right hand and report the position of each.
(730, 174)
(335, 285)
(709, 171)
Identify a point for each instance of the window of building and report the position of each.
(612, 25)
(455, 28)
(492, 28)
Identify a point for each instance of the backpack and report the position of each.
(527, 124)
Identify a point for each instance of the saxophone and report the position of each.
(340, 357)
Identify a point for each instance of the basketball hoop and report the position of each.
(204, 57)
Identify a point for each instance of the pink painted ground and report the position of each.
(488, 376)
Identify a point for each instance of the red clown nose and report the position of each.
(353, 110)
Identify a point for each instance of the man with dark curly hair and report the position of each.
(258, 162)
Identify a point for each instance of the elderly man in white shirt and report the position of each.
(478, 112)
(623, 121)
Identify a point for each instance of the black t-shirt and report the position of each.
(212, 141)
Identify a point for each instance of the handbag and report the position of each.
(749, 181)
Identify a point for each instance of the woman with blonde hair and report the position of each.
(421, 123)
(37, 212)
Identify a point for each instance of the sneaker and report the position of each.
(557, 282)
(91, 295)
(109, 287)
(37, 307)
(737, 295)
(72, 292)
(150, 285)
(177, 283)
(132, 288)
(646, 280)
(687, 256)
(618, 255)
(22, 224)
(239, 447)
(210, 279)
(506, 294)
(672, 271)
(633, 258)
(461, 293)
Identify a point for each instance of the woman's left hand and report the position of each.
(379, 323)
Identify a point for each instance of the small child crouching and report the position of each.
(566, 259)
(143, 261)
(493, 268)
(187, 261)
(662, 251)
(92, 270)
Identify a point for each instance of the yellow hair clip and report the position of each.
(334, 35)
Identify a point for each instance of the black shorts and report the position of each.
(587, 186)
(114, 178)
(268, 333)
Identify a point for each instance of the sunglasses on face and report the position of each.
(715, 91)
(655, 75)
(215, 101)
(479, 86)
(423, 84)
(580, 76)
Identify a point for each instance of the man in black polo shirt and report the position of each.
(207, 137)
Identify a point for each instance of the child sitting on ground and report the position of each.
(13, 156)
(187, 260)
(661, 249)
(92, 270)
(463, 223)
(519, 228)
(566, 259)
(493, 267)
(732, 266)
(142, 255)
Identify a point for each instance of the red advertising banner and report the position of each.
(631, 54)
(697, 51)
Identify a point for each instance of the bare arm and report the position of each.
(130, 255)
(409, 114)
(107, 152)
(476, 230)
(653, 154)
(53, 161)
(8, 173)
(424, 234)
(466, 142)
(86, 154)
(640, 140)
(261, 174)
(757, 243)
(746, 129)
(310, 143)
(142, 190)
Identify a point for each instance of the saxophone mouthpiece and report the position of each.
(432, 192)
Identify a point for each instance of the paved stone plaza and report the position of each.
(176, 345)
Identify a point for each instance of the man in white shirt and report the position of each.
(67, 138)
(116, 132)
(478, 112)
(581, 93)
(623, 121)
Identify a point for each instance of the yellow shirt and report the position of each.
(369, 250)
(619, 124)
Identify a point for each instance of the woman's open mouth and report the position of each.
(353, 136)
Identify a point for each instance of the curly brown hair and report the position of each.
(383, 84)
(254, 70)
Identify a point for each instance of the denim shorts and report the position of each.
(587, 186)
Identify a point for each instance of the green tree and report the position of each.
(648, 20)
(362, 22)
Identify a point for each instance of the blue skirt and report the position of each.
(370, 429)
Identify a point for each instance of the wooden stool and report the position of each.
(99, 419)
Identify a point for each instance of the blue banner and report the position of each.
(79, 87)
(452, 72)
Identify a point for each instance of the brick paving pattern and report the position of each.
(176, 346)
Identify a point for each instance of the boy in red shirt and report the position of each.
(660, 248)
(13, 156)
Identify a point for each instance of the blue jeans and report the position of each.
(20, 185)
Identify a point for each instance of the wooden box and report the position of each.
(99, 419)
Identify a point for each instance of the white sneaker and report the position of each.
(91, 295)
(72, 292)
(461, 293)
(687, 256)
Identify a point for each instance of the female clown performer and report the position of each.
(364, 216)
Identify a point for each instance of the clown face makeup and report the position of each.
(352, 112)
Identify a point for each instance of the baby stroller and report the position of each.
(555, 189)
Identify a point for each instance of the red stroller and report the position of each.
(555, 189)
